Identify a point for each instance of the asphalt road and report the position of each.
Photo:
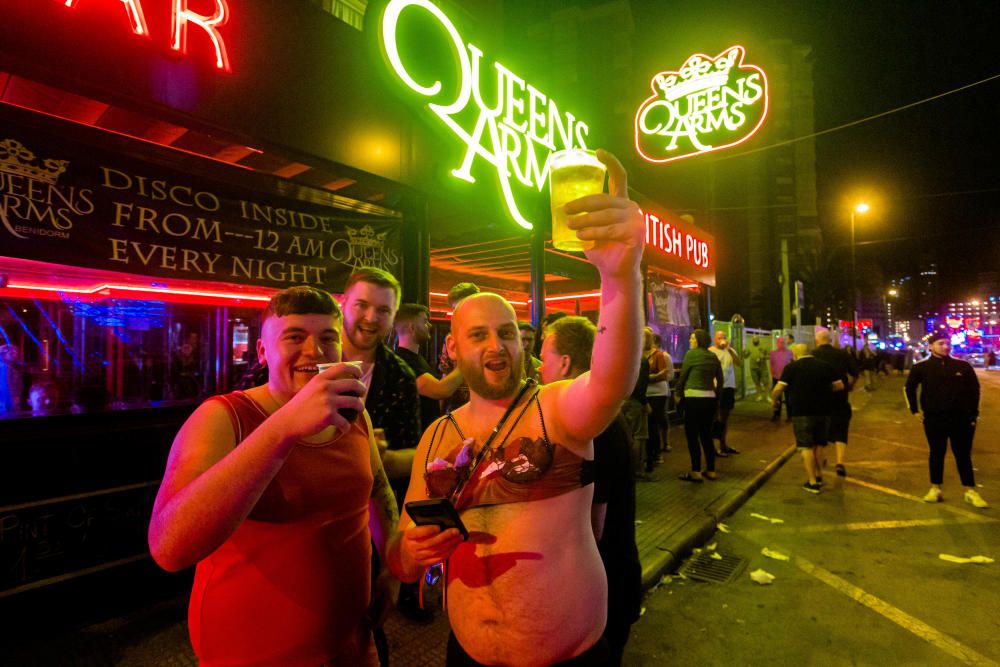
(864, 583)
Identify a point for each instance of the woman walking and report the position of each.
(699, 388)
(661, 370)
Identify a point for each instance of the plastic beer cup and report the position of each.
(573, 173)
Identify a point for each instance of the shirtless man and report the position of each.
(528, 587)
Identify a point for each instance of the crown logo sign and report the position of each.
(16, 159)
(699, 72)
(366, 237)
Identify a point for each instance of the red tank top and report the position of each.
(291, 586)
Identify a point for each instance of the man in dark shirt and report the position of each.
(847, 369)
(948, 408)
(566, 353)
(811, 384)
(370, 300)
(413, 329)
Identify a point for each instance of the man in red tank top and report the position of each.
(276, 494)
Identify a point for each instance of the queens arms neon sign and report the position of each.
(514, 134)
(183, 17)
(708, 105)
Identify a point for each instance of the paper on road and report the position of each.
(761, 577)
(972, 559)
(776, 555)
(766, 518)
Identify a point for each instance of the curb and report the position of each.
(700, 527)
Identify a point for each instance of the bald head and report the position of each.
(822, 336)
(473, 308)
(799, 350)
(485, 342)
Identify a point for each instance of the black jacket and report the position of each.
(950, 387)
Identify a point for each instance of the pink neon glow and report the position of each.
(210, 24)
(655, 96)
(135, 16)
(149, 290)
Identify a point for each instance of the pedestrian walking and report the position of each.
(948, 408)
(840, 416)
(810, 384)
(698, 389)
(758, 368)
(779, 358)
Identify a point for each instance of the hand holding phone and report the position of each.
(436, 512)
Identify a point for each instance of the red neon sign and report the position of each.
(182, 17)
(676, 242)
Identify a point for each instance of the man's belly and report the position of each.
(529, 587)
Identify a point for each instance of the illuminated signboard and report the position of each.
(669, 239)
(182, 17)
(707, 105)
(514, 133)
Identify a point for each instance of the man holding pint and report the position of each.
(528, 587)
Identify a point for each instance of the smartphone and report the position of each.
(347, 413)
(436, 512)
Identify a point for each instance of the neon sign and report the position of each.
(514, 134)
(673, 241)
(708, 105)
(182, 17)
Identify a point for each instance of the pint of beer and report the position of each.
(573, 173)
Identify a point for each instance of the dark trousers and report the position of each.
(699, 413)
(782, 400)
(656, 418)
(595, 656)
(939, 429)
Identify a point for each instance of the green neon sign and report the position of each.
(514, 134)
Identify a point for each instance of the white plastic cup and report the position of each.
(573, 173)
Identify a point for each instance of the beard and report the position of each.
(475, 376)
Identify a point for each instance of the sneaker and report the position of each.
(933, 496)
(811, 488)
(722, 454)
(819, 480)
(841, 470)
(973, 498)
(730, 450)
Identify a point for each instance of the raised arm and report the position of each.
(588, 404)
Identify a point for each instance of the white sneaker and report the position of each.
(973, 498)
(934, 495)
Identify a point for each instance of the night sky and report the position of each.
(931, 171)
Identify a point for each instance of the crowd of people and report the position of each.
(313, 501)
(291, 497)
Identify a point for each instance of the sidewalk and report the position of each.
(672, 517)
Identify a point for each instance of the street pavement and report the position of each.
(864, 583)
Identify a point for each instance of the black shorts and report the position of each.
(728, 399)
(812, 431)
(598, 655)
(840, 420)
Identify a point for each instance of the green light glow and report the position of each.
(514, 136)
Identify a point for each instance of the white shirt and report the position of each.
(728, 370)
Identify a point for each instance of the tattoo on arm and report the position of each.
(382, 494)
(602, 330)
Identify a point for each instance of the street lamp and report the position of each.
(861, 207)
